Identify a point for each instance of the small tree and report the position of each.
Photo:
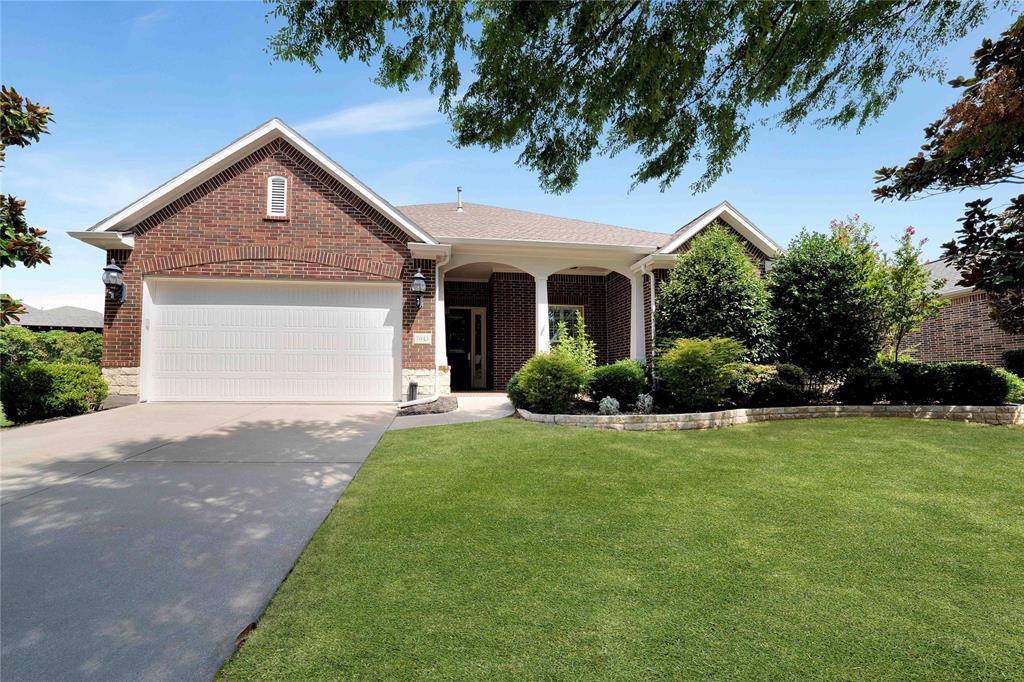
(823, 307)
(22, 121)
(714, 291)
(911, 296)
(979, 143)
(576, 343)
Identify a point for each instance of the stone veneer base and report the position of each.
(121, 380)
(1001, 415)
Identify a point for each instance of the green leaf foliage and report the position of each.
(714, 290)
(576, 343)
(564, 81)
(19, 346)
(551, 382)
(40, 390)
(698, 372)
(623, 380)
(825, 318)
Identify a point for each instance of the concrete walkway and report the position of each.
(472, 408)
(137, 543)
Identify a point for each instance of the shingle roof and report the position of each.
(64, 316)
(479, 221)
(939, 270)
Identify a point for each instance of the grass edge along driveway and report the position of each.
(846, 548)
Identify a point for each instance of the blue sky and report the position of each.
(142, 91)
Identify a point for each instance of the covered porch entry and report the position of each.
(493, 323)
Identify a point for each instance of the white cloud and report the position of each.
(142, 23)
(406, 113)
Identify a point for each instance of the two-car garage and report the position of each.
(260, 340)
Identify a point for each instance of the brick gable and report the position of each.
(220, 229)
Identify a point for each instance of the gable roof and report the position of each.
(64, 316)
(938, 269)
(228, 156)
(728, 213)
(480, 221)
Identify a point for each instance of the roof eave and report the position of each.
(238, 150)
(544, 244)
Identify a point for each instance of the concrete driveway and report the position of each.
(137, 543)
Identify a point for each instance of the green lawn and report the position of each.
(828, 549)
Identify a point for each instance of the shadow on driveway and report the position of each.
(143, 558)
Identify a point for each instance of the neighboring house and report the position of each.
(963, 330)
(65, 318)
(269, 272)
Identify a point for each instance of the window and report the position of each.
(562, 313)
(277, 196)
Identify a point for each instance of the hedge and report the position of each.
(40, 390)
(925, 383)
(1014, 361)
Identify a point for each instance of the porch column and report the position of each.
(440, 335)
(543, 336)
(636, 318)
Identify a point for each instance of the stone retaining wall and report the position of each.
(989, 414)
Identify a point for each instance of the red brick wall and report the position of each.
(513, 324)
(964, 331)
(220, 229)
(471, 294)
(618, 292)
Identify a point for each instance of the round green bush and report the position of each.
(768, 386)
(551, 381)
(515, 392)
(39, 390)
(1014, 361)
(1016, 384)
(698, 372)
(623, 380)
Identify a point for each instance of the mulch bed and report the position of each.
(443, 404)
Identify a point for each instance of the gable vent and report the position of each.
(277, 196)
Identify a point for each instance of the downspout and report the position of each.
(645, 269)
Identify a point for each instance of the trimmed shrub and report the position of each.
(515, 392)
(768, 386)
(18, 346)
(39, 390)
(551, 381)
(868, 385)
(622, 380)
(948, 383)
(576, 343)
(973, 383)
(698, 372)
(1014, 361)
(825, 311)
(1016, 385)
(714, 290)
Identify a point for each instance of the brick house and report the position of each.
(963, 331)
(269, 272)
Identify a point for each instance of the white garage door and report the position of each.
(259, 340)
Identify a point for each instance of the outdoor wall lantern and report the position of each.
(113, 280)
(419, 285)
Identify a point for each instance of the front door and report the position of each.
(466, 333)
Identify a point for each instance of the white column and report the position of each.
(440, 335)
(543, 335)
(636, 318)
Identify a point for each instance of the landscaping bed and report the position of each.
(857, 549)
(995, 415)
